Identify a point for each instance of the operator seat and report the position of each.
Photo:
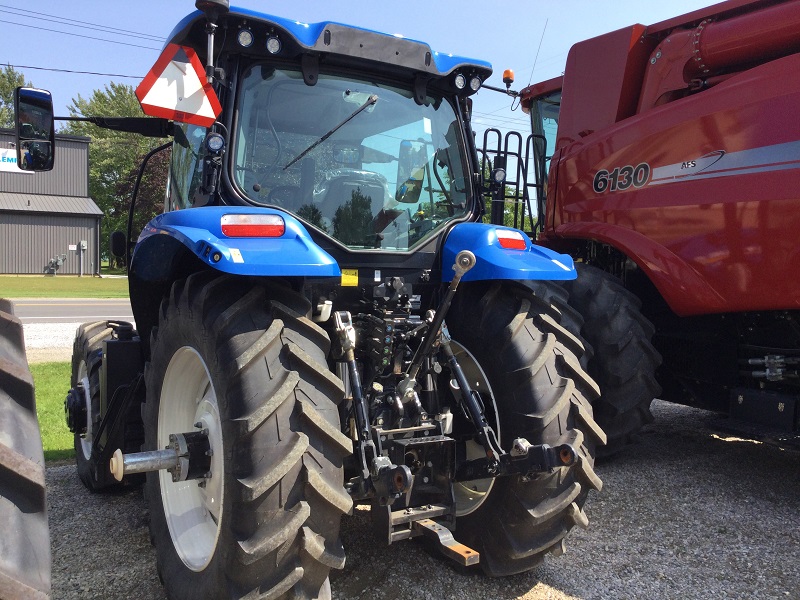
(364, 190)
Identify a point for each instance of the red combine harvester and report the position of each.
(667, 161)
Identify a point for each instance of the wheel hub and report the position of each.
(75, 409)
(193, 510)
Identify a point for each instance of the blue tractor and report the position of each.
(323, 319)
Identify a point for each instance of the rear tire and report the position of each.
(541, 393)
(268, 518)
(24, 534)
(624, 361)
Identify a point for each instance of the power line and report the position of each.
(22, 13)
(78, 72)
(503, 118)
(83, 36)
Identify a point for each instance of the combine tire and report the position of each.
(533, 387)
(246, 364)
(87, 359)
(624, 362)
(24, 537)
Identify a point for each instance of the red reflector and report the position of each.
(252, 225)
(513, 240)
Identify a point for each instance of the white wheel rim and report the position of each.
(193, 513)
(86, 438)
(470, 495)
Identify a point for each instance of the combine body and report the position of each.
(674, 166)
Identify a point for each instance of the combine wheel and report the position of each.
(624, 362)
(521, 361)
(247, 365)
(87, 360)
(24, 537)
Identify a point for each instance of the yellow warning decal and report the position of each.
(349, 277)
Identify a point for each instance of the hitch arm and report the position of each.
(465, 260)
(473, 405)
(347, 336)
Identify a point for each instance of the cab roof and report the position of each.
(333, 38)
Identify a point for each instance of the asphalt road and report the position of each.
(80, 310)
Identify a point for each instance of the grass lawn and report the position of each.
(62, 286)
(52, 383)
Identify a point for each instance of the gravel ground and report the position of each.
(688, 512)
(49, 342)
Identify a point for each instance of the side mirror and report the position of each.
(34, 129)
(410, 171)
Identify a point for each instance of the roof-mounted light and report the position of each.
(274, 44)
(245, 37)
(253, 225)
(511, 239)
(460, 81)
(475, 83)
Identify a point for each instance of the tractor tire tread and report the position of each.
(282, 418)
(625, 360)
(25, 561)
(528, 516)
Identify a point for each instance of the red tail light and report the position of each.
(512, 240)
(253, 225)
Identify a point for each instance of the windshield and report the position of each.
(360, 161)
(544, 115)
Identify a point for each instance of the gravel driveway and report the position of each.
(689, 512)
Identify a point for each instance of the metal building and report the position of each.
(48, 219)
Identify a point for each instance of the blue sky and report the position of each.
(505, 33)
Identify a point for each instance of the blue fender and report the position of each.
(495, 262)
(293, 254)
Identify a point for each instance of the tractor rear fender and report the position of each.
(503, 253)
(176, 244)
(675, 279)
(241, 241)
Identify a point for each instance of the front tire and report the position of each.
(87, 360)
(248, 365)
(540, 392)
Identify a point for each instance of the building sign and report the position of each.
(8, 161)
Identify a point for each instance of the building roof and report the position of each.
(59, 136)
(40, 203)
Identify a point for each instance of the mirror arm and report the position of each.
(507, 92)
(146, 126)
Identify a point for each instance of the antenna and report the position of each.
(541, 39)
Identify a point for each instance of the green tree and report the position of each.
(351, 222)
(113, 155)
(10, 79)
(513, 205)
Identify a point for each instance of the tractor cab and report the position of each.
(363, 137)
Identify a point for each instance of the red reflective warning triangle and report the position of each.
(176, 88)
